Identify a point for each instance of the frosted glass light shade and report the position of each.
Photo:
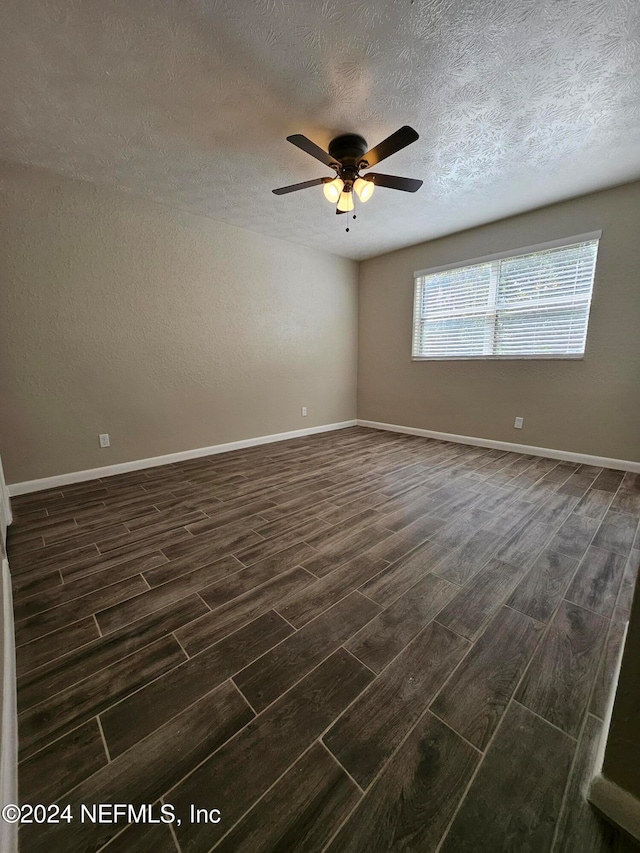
(332, 190)
(364, 189)
(345, 201)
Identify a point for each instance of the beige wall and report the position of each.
(590, 406)
(170, 332)
(167, 330)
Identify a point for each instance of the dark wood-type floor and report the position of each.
(357, 641)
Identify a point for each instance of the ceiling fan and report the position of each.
(348, 157)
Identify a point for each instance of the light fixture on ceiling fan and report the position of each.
(348, 156)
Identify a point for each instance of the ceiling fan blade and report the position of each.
(393, 182)
(398, 140)
(311, 148)
(292, 188)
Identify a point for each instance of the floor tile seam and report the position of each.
(244, 728)
(172, 670)
(549, 722)
(104, 740)
(565, 792)
(78, 597)
(453, 729)
(141, 543)
(371, 786)
(119, 660)
(477, 769)
(304, 675)
(546, 631)
(63, 654)
(433, 619)
(601, 660)
(258, 800)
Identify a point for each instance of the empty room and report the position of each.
(320, 426)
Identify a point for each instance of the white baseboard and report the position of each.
(29, 486)
(9, 717)
(616, 804)
(137, 464)
(564, 455)
(5, 508)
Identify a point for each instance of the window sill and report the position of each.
(499, 358)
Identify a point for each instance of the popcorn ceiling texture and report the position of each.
(519, 103)
(164, 329)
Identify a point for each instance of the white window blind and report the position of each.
(529, 305)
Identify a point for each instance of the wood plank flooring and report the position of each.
(352, 642)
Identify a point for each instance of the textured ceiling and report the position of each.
(188, 102)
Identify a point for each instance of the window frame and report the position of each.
(499, 256)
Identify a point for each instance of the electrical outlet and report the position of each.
(517, 424)
(104, 440)
(304, 411)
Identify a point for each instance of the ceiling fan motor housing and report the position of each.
(348, 149)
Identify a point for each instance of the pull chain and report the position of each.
(353, 195)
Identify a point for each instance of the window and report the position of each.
(534, 304)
